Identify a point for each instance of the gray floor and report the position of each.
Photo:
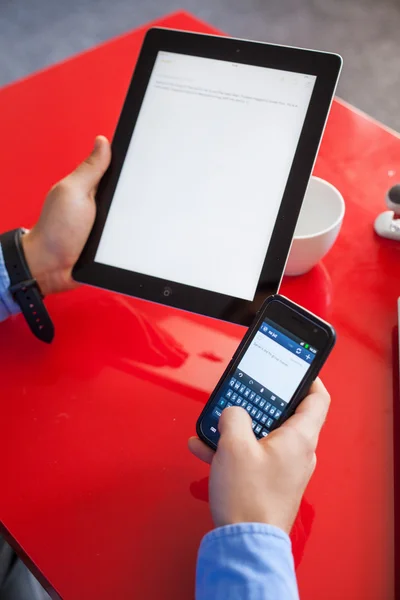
(36, 33)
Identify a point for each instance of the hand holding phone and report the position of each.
(263, 481)
(272, 369)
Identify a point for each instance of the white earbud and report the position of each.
(387, 224)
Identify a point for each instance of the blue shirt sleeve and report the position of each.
(7, 305)
(247, 561)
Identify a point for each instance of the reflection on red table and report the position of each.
(97, 485)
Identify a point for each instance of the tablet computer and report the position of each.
(210, 162)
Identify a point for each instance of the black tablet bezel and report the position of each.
(325, 66)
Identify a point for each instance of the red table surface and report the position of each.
(98, 487)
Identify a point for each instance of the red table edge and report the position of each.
(28, 562)
(153, 23)
(177, 13)
(367, 117)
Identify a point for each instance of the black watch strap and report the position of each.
(24, 288)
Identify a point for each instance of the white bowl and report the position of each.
(319, 223)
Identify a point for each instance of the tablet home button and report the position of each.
(167, 291)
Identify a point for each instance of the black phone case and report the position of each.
(312, 373)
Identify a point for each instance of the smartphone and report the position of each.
(272, 369)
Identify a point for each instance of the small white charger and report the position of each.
(387, 224)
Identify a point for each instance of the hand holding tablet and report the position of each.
(211, 159)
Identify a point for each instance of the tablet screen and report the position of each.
(205, 172)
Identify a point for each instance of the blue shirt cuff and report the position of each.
(8, 306)
(246, 561)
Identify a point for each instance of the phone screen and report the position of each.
(264, 381)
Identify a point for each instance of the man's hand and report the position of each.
(54, 244)
(263, 481)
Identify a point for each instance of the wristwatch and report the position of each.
(24, 288)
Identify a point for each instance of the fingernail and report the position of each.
(97, 144)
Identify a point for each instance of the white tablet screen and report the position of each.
(205, 172)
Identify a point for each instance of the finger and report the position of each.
(318, 386)
(235, 422)
(311, 413)
(92, 169)
(315, 405)
(200, 450)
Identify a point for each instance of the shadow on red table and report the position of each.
(313, 290)
(103, 330)
(178, 351)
